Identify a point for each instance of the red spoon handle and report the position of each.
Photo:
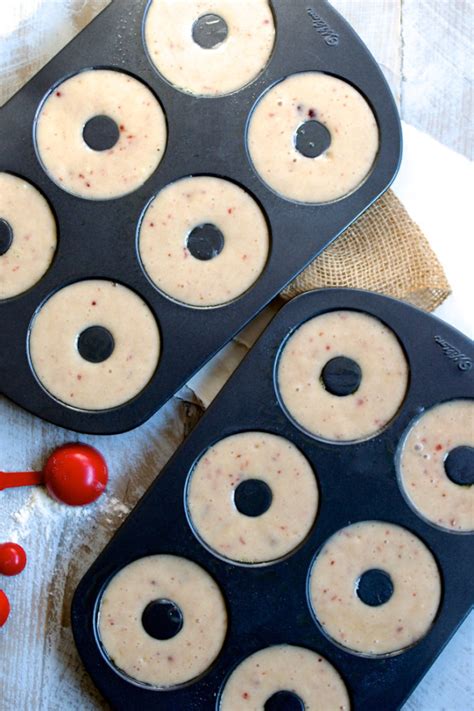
(10, 480)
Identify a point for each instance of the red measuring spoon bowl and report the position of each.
(12, 558)
(76, 474)
(4, 608)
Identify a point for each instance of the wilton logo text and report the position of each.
(329, 35)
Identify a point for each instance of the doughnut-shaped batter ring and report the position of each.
(171, 217)
(284, 667)
(228, 66)
(100, 174)
(33, 232)
(213, 483)
(162, 662)
(381, 391)
(55, 356)
(422, 474)
(337, 171)
(380, 629)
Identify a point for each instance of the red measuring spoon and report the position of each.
(75, 474)
(4, 608)
(12, 558)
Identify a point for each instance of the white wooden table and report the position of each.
(424, 48)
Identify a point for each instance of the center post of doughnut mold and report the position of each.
(253, 497)
(312, 138)
(162, 619)
(341, 376)
(374, 587)
(101, 133)
(459, 465)
(210, 30)
(205, 241)
(95, 344)
(284, 701)
(6, 236)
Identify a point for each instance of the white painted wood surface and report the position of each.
(424, 47)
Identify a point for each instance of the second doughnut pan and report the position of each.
(267, 604)
(206, 136)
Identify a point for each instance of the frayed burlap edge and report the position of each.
(383, 251)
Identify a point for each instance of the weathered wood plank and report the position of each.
(378, 22)
(33, 31)
(437, 64)
(425, 48)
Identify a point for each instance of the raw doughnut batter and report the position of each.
(284, 667)
(313, 96)
(224, 68)
(165, 251)
(100, 174)
(162, 662)
(33, 232)
(380, 629)
(68, 376)
(383, 384)
(421, 467)
(255, 538)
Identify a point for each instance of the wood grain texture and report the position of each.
(423, 47)
(437, 66)
(378, 22)
(33, 31)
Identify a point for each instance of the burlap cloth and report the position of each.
(383, 251)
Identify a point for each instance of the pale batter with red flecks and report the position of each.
(175, 212)
(55, 357)
(421, 466)
(224, 68)
(365, 340)
(162, 662)
(397, 623)
(235, 535)
(301, 671)
(313, 96)
(100, 174)
(33, 236)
